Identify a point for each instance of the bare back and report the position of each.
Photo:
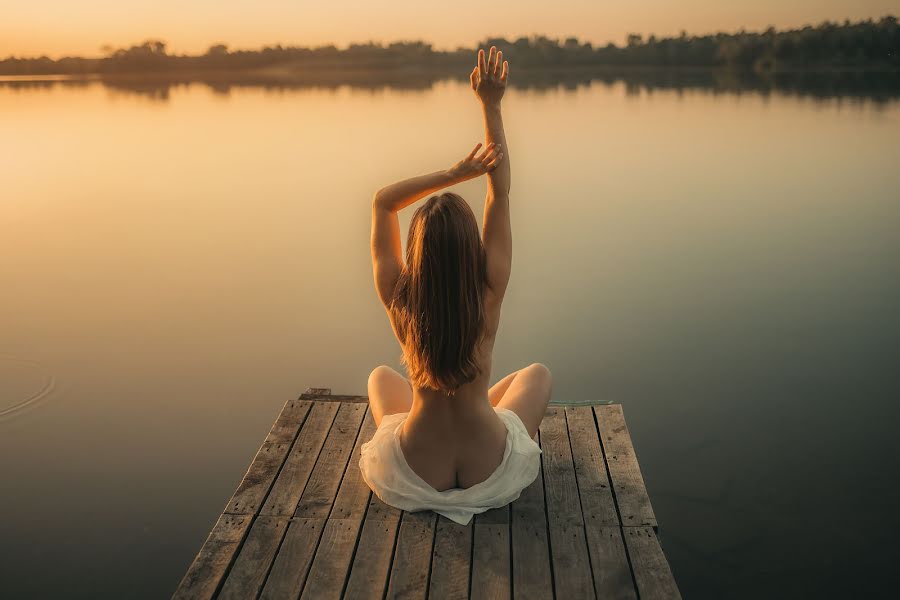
(457, 441)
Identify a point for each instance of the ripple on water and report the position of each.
(23, 384)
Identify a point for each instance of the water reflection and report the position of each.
(875, 86)
(185, 255)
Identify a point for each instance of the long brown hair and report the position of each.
(438, 303)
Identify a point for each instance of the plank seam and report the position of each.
(265, 580)
(612, 485)
(290, 444)
(390, 566)
(331, 508)
(291, 515)
(240, 544)
(612, 489)
(434, 520)
(580, 504)
(362, 524)
(362, 520)
(547, 521)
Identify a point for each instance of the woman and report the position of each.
(444, 440)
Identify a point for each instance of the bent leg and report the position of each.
(495, 394)
(389, 393)
(528, 394)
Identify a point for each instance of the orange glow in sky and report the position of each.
(63, 27)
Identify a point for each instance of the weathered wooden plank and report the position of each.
(288, 576)
(319, 494)
(325, 395)
(532, 578)
(252, 490)
(341, 533)
(572, 576)
(451, 560)
(294, 558)
(631, 494)
(316, 392)
(651, 569)
(597, 504)
(289, 421)
(331, 565)
(259, 478)
(372, 561)
(412, 558)
(491, 565)
(245, 580)
(292, 479)
(494, 516)
(208, 569)
(332, 560)
(354, 494)
(609, 562)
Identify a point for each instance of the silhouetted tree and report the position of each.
(864, 44)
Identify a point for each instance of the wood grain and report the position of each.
(609, 561)
(304, 524)
(245, 580)
(651, 569)
(298, 466)
(451, 560)
(530, 544)
(572, 576)
(631, 495)
(491, 556)
(206, 573)
(331, 565)
(412, 558)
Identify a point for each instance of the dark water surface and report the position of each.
(718, 254)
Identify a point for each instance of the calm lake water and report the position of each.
(177, 261)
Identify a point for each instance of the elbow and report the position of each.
(381, 201)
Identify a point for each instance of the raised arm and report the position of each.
(489, 83)
(387, 258)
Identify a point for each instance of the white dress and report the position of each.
(384, 468)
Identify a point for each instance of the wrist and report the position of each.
(453, 176)
(491, 106)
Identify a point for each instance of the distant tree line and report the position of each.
(869, 44)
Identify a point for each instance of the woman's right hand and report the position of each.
(474, 166)
(489, 77)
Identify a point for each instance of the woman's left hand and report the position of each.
(474, 166)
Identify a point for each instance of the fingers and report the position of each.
(487, 151)
(472, 153)
(495, 162)
(492, 67)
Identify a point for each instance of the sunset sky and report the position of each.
(64, 27)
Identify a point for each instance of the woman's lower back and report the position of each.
(453, 442)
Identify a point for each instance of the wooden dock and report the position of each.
(304, 524)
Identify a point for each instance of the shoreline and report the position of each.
(290, 72)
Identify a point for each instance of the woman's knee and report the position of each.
(379, 374)
(385, 378)
(541, 372)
